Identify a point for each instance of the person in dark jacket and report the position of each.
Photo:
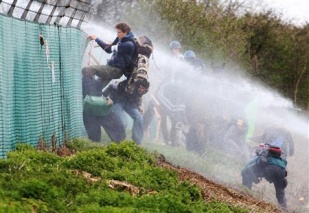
(269, 165)
(93, 87)
(124, 52)
(131, 103)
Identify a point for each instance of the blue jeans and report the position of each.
(137, 131)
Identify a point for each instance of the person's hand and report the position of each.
(108, 101)
(92, 37)
(141, 109)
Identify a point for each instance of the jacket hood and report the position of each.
(127, 37)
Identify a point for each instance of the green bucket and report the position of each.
(96, 105)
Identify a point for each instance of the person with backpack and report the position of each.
(124, 52)
(267, 164)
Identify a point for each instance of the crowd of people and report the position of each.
(176, 123)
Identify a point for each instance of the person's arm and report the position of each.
(290, 143)
(106, 47)
(107, 91)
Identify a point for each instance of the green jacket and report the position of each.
(277, 161)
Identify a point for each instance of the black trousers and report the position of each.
(272, 173)
(111, 124)
(276, 175)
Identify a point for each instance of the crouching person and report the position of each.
(267, 164)
(131, 103)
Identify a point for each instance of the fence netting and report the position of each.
(40, 83)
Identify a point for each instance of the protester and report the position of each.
(269, 165)
(154, 105)
(131, 103)
(197, 63)
(171, 96)
(175, 47)
(121, 63)
(234, 140)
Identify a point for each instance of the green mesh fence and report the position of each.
(40, 86)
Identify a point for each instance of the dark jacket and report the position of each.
(125, 54)
(117, 92)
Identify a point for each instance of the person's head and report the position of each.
(175, 47)
(240, 123)
(122, 29)
(142, 86)
(189, 54)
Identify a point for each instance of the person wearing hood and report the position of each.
(124, 53)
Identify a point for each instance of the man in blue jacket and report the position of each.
(124, 53)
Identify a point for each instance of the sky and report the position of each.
(295, 11)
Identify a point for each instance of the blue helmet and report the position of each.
(189, 54)
(175, 45)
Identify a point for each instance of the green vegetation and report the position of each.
(115, 178)
(269, 50)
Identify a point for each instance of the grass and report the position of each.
(97, 178)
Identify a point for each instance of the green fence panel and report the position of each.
(40, 85)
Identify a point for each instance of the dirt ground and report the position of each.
(212, 191)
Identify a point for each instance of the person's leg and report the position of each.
(177, 126)
(148, 115)
(164, 126)
(247, 177)
(175, 132)
(276, 175)
(107, 73)
(251, 173)
(93, 127)
(280, 192)
(113, 127)
(137, 130)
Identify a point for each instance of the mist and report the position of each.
(209, 97)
